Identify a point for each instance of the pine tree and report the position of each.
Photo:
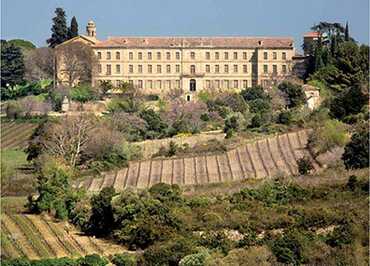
(12, 65)
(59, 28)
(73, 29)
(346, 33)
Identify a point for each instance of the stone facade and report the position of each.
(158, 64)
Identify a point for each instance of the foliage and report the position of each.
(331, 134)
(73, 29)
(197, 259)
(304, 165)
(12, 67)
(83, 93)
(156, 127)
(24, 45)
(59, 29)
(39, 64)
(294, 93)
(101, 219)
(356, 152)
(124, 260)
(33, 88)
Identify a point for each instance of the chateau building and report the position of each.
(158, 64)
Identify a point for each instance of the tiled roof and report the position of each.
(312, 34)
(196, 42)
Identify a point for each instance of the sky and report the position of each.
(31, 19)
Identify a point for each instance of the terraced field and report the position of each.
(268, 157)
(36, 237)
(16, 134)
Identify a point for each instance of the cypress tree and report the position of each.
(73, 29)
(59, 29)
(346, 33)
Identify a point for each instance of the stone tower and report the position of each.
(91, 29)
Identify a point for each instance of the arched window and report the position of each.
(193, 85)
(188, 98)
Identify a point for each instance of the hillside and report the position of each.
(37, 237)
(269, 157)
(16, 134)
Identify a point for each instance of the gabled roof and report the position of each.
(84, 38)
(196, 42)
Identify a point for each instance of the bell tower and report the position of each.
(91, 29)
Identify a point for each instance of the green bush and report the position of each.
(197, 259)
(216, 240)
(83, 93)
(124, 260)
(356, 152)
(304, 165)
(294, 92)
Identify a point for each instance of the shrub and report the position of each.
(83, 93)
(331, 134)
(216, 240)
(342, 235)
(14, 110)
(285, 118)
(356, 152)
(197, 259)
(304, 165)
(352, 182)
(124, 260)
(92, 260)
(294, 92)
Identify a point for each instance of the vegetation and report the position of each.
(12, 67)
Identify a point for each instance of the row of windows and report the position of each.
(216, 69)
(216, 55)
(169, 84)
(274, 69)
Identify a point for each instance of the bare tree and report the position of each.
(76, 63)
(69, 137)
(39, 64)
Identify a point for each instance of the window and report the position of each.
(245, 56)
(168, 56)
(168, 68)
(119, 83)
(149, 55)
(208, 55)
(140, 84)
(140, 68)
(193, 85)
(192, 55)
(208, 84)
(99, 55)
(108, 55)
(235, 68)
(159, 84)
(274, 55)
(265, 55)
(192, 69)
(217, 84)
(99, 68)
(226, 68)
(140, 56)
(283, 68)
(177, 84)
(217, 55)
(265, 69)
(131, 82)
(226, 84)
(245, 69)
(283, 55)
(235, 55)
(177, 55)
(130, 55)
(226, 56)
(131, 69)
(118, 55)
(188, 98)
(168, 84)
(217, 68)
(245, 84)
(149, 84)
(118, 69)
(159, 56)
(109, 69)
(274, 69)
(150, 69)
(208, 68)
(159, 69)
(177, 68)
(236, 84)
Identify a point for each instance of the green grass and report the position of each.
(13, 158)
